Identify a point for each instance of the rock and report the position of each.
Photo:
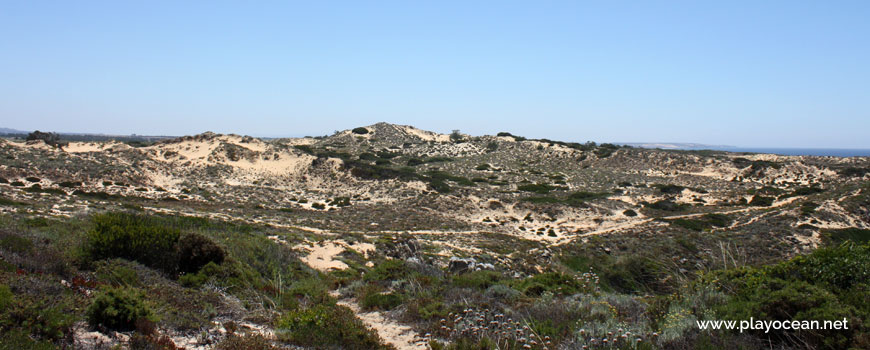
(457, 265)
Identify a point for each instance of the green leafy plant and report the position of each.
(118, 309)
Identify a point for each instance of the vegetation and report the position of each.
(118, 309)
(476, 243)
(360, 131)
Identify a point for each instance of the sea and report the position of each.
(834, 152)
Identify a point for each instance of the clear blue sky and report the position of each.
(745, 73)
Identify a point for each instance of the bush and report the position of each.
(195, 251)
(478, 279)
(853, 172)
(553, 282)
(133, 237)
(50, 138)
(5, 297)
(536, 188)
(828, 284)
(706, 222)
(761, 201)
(837, 236)
(118, 309)
(388, 270)
(21, 340)
(327, 326)
(670, 189)
(380, 301)
(667, 205)
(630, 213)
(360, 131)
(502, 292)
(246, 342)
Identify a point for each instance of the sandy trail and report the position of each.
(393, 333)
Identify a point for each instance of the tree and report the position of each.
(455, 136)
(50, 138)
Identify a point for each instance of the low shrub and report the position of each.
(670, 189)
(380, 301)
(553, 282)
(536, 188)
(761, 201)
(827, 284)
(705, 222)
(133, 237)
(118, 309)
(360, 131)
(477, 279)
(245, 342)
(667, 205)
(837, 236)
(388, 270)
(195, 251)
(327, 326)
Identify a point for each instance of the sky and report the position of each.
(743, 73)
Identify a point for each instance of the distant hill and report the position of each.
(12, 131)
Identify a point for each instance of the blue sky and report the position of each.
(745, 73)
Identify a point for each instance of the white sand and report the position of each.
(398, 335)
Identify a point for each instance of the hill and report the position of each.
(398, 234)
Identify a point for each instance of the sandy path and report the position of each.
(393, 333)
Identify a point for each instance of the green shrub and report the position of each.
(553, 282)
(5, 297)
(14, 243)
(536, 188)
(381, 301)
(670, 189)
(388, 270)
(326, 326)
(21, 340)
(761, 201)
(667, 205)
(477, 279)
(341, 201)
(828, 284)
(368, 156)
(133, 237)
(195, 251)
(837, 236)
(360, 131)
(706, 222)
(629, 213)
(245, 342)
(808, 208)
(502, 292)
(853, 172)
(118, 309)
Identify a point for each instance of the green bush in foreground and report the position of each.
(132, 237)
(327, 326)
(118, 309)
(828, 284)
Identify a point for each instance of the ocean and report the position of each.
(835, 152)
